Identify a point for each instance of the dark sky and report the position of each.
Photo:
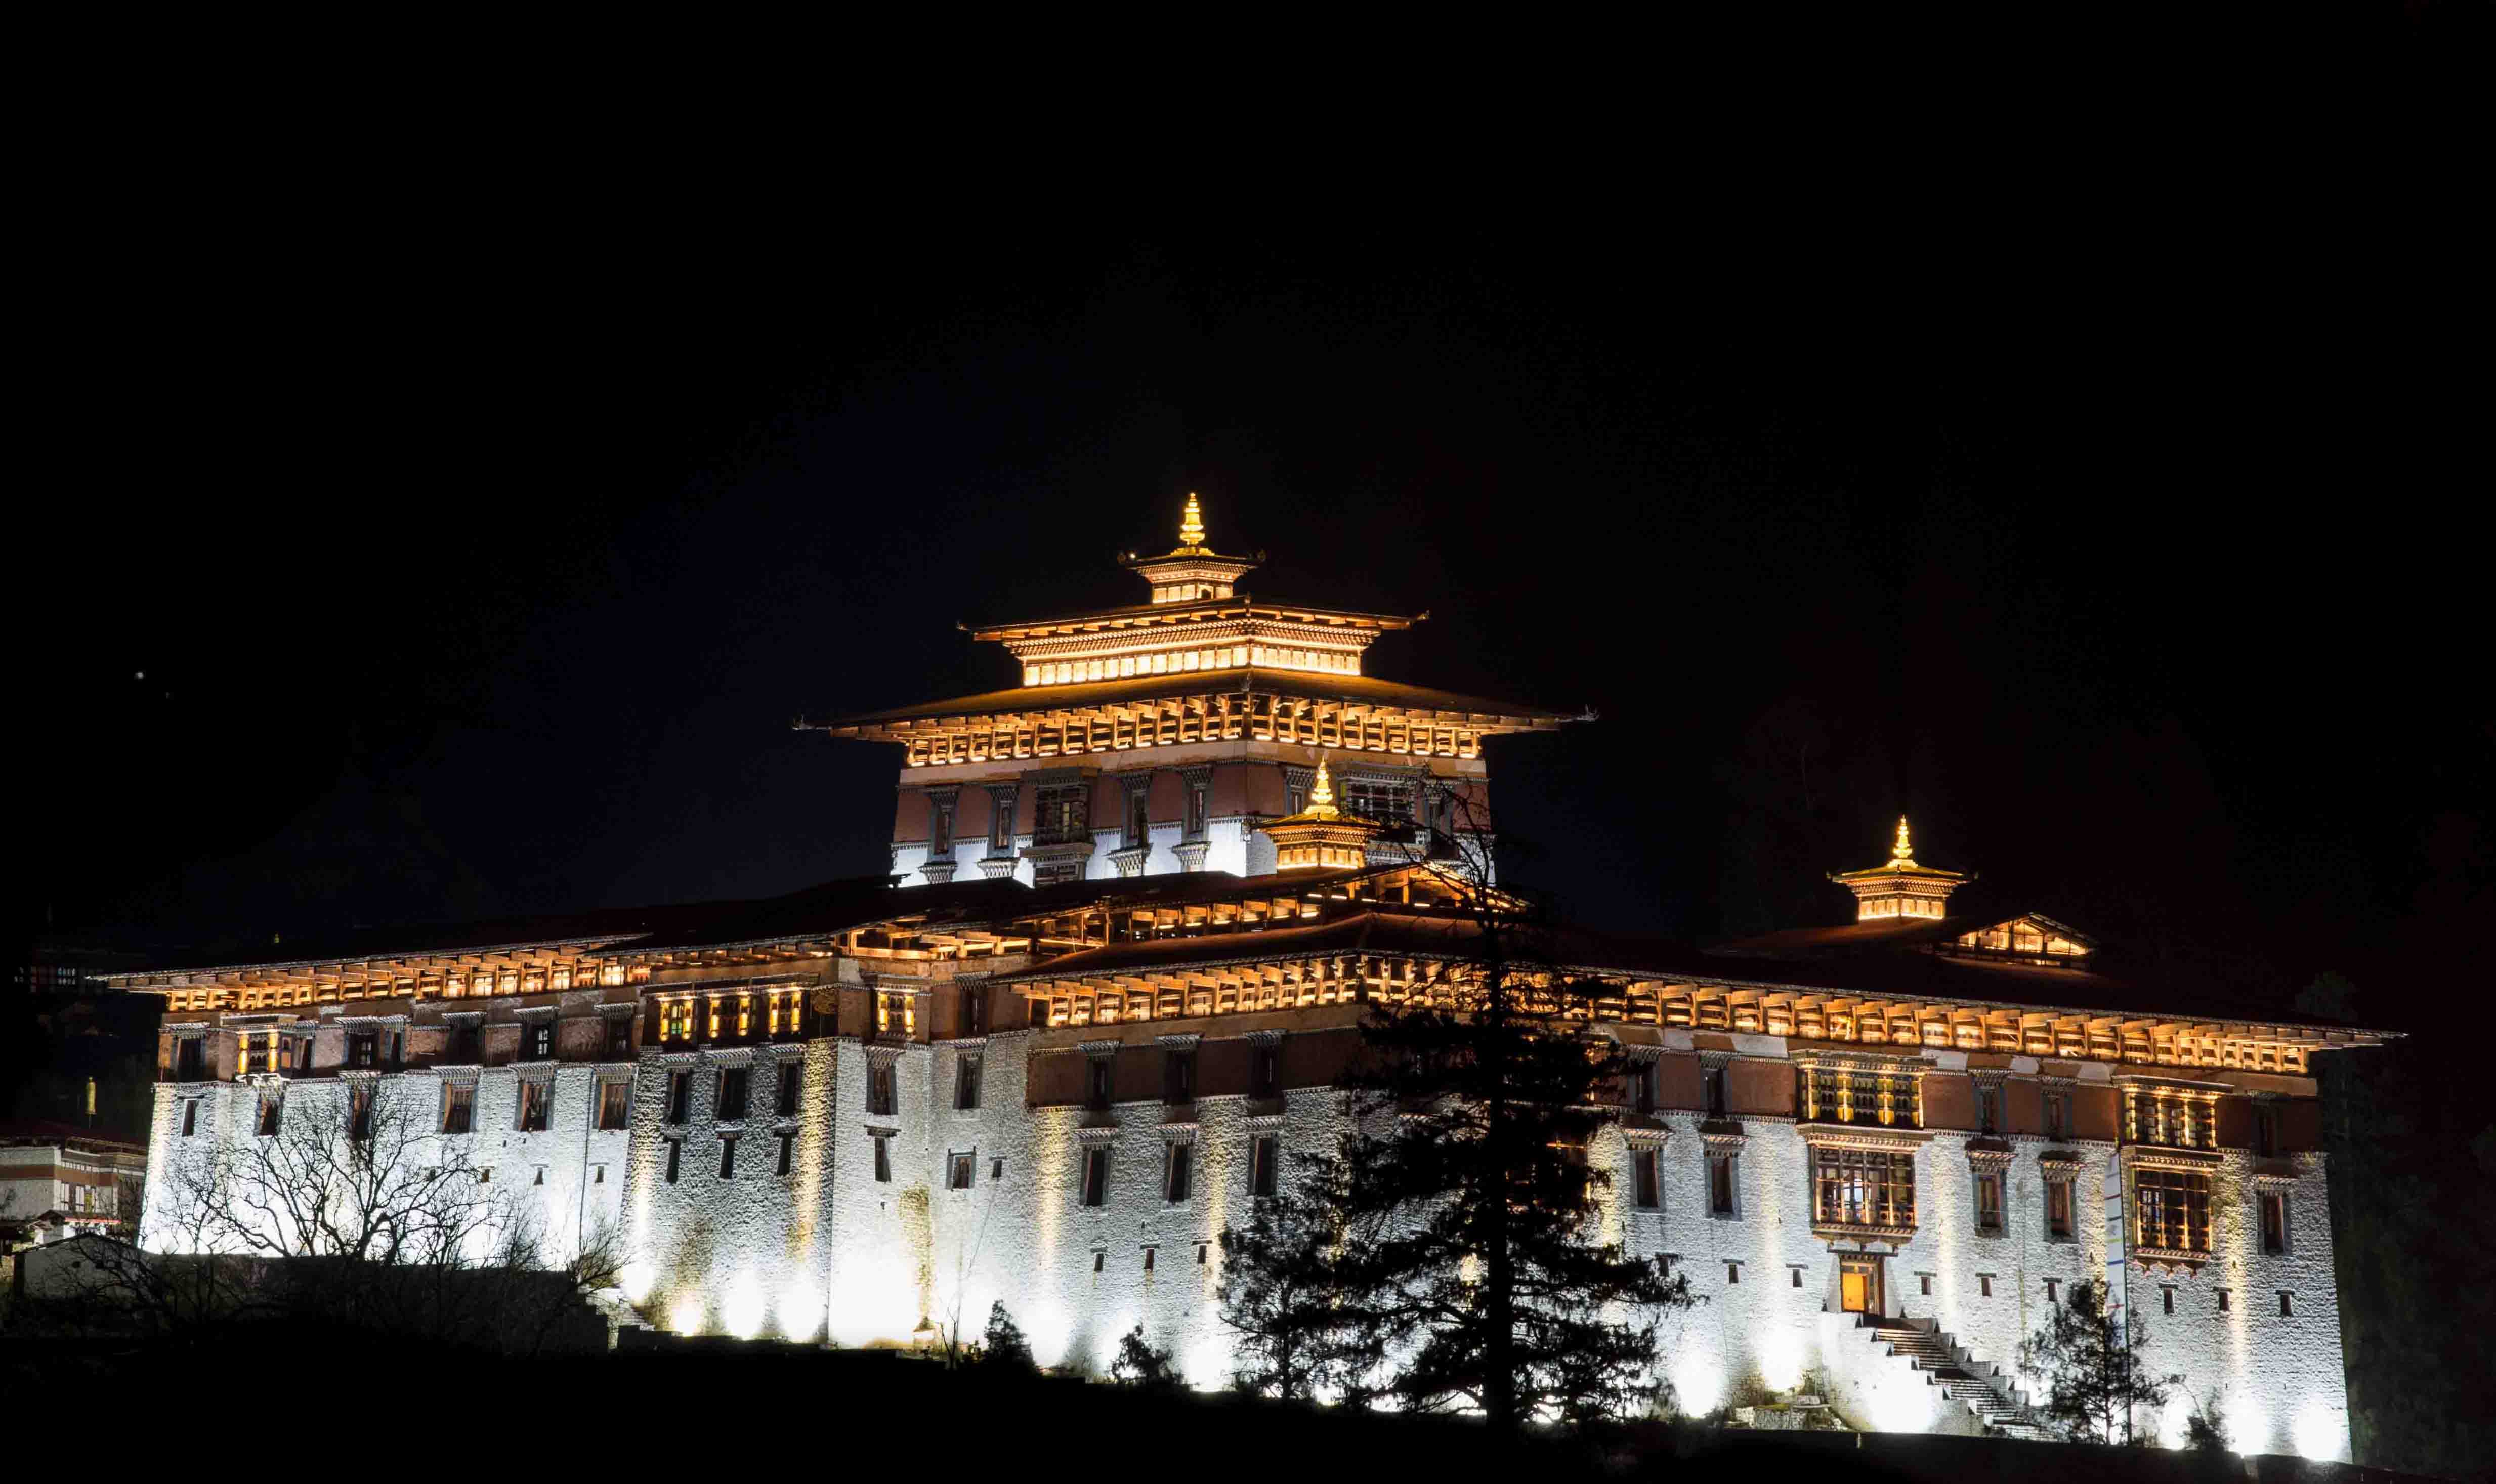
(2126, 532)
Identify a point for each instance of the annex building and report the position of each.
(1138, 905)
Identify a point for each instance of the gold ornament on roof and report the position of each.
(1191, 528)
(1901, 855)
(1321, 794)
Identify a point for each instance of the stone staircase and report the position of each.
(1944, 1363)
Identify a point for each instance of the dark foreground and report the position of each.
(705, 1394)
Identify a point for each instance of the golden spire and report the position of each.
(1321, 793)
(1901, 855)
(1191, 529)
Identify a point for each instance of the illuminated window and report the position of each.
(1864, 1187)
(677, 1020)
(1062, 816)
(2174, 1119)
(896, 1013)
(2172, 1210)
(1840, 1094)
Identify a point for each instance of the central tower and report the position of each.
(1153, 738)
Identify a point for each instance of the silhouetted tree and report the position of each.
(1002, 1350)
(1140, 1364)
(1281, 1293)
(2089, 1362)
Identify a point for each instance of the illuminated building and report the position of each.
(1207, 843)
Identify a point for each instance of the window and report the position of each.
(2286, 1304)
(484, 1174)
(676, 1154)
(2166, 1298)
(680, 1096)
(1096, 1175)
(1924, 1284)
(458, 1106)
(957, 1170)
(1097, 1087)
(1989, 1108)
(2058, 1115)
(1262, 1152)
(2058, 1209)
(727, 1157)
(1265, 1070)
(271, 1105)
(188, 1059)
(677, 1020)
(537, 1099)
(619, 1039)
(1178, 1076)
(2274, 1221)
(784, 1091)
(1864, 1187)
(1177, 1165)
(1988, 1202)
(1377, 800)
(788, 1142)
(190, 1111)
(2172, 1210)
(1840, 1094)
(882, 1086)
(537, 1040)
(971, 1015)
(1642, 1080)
(1100, 1260)
(1712, 1087)
(1642, 1180)
(896, 1013)
(1985, 1285)
(1195, 810)
(997, 1168)
(1722, 1191)
(883, 1159)
(940, 824)
(614, 1105)
(1001, 821)
(2223, 1301)
(1062, 813)
(1795, 1274)
(364, 1048)
(2266, 1141)
(2178, 1120)
(1140, 824)
(1734, 1273)
(966, 1083)
(359, 1112)
(1148, 1260)
(731, 1093)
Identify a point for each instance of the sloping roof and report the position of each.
(419, 938)
(1370, 932)
(1176, 614)
(1298, 685)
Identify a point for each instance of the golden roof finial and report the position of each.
(1321, 793)
(1901, 855)
(1191, 529)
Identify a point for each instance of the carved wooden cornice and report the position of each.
(1856, 1137)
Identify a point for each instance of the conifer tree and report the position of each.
(2090, 1364)
(1459, 1230)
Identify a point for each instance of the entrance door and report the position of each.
(1858, 1284)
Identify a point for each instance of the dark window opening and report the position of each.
(788, 1141)
(458, 1106)
(1984, 1285)
(680, 1096)
(1178, 1076)
(966, 1083)
(2286, 1308)
(1096, 1176)
(537, 1040)
(1712, 1085)
(536, 1102)
(883, 1158)
(785, 1092)
(1265, 1071)
(1720, 1185)
(1180, 1164)
(728, 1159)
(957, 1171)
(1642, 1179)
(882, 1091)
(1261, 1155)
(1097, 1094)
(675, 1154)
(730, 1094)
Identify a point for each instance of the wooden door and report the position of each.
(1858, 1284)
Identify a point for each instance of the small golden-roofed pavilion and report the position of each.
(1322, 836)
(1192, 572)
(1902, 888)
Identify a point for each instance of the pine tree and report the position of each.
(1002, 1350)
(2089, 1361)
(1459, 1228)
(1280, 1293)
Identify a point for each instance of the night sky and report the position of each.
(2128, 538)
